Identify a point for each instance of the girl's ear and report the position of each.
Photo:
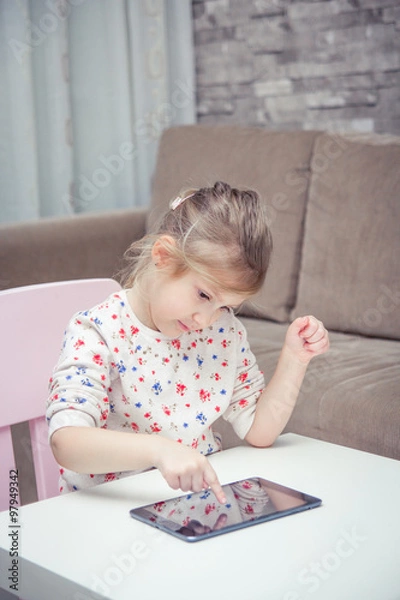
(162, 251)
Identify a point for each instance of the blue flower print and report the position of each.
(221, 330)
(202, 418)
(138, 405)
(121, 367)
(205, 494)
(200, 360)
(97, 321)
(87, 382)
(157, 388)
(186, 425)
(81, 370)
(80, 400)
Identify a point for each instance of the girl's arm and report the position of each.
(95, 450)
(306, 337)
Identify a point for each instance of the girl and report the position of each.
(143, 376)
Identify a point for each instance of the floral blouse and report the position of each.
(116, 373)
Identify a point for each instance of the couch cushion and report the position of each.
(276, 164)
(75, 247)
(350, 269)
(349, 396)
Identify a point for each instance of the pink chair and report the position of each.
(32, 323)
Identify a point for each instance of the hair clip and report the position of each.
(178, 201)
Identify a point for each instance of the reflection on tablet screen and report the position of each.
(199, 515)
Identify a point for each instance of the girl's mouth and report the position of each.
(183, 326)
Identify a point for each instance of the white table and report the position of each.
(84, 545)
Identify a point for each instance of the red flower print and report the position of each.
(114, 317)
(249, 509)
(187, 405)
(217, 409)
(110, 477)
(181, 389)
(166, 410)
(61, 471)
(204, 395)
(158, 506)
(116, 350)
(243, 377)
(176, 344)
(224, 343)
(104, 415)
(134, 330)
(103, 377)
(134, 426)
(105, 399)
(155, 427)
(243, 403)
(193, 344)
(98, 360)
(122, 333)
(127, 415)
(195, 443)
(246, 362)
(78, 344)
(209, 508)
(247, 485)
(210, 341)
(224, 363)
(217, 376)
(147, 415)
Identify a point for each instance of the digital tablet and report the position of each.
(198, 516)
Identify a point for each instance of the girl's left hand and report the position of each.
(307, 337)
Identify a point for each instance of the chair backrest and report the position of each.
(32, 323)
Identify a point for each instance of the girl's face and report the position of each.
(175, 305)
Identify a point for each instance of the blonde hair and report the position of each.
(220, 232)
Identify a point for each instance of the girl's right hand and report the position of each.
(186, 469)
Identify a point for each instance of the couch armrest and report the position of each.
(73, 247)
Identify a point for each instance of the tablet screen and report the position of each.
(199, 515)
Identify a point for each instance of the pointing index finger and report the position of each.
(213, 482)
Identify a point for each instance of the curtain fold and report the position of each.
(86, 88)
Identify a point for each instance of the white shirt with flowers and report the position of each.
(116, 373)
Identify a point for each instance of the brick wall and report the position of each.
(285, 64)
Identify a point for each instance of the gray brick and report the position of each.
(286, 64)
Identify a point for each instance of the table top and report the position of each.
(84, 545)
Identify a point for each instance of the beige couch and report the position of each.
(334, 204)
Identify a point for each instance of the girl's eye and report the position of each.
(203, 295)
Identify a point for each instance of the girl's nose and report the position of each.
(204, 319)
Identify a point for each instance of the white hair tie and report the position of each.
(178, 201)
